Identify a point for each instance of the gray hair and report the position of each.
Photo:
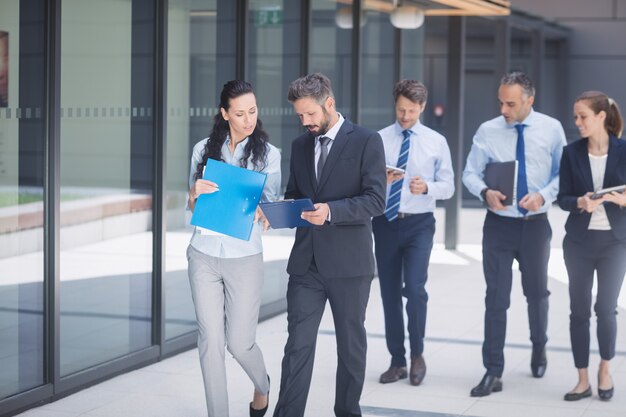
(412, 90)
(316, 86)
(521, 79)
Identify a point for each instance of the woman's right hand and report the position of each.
(585, 203)
(202, 187)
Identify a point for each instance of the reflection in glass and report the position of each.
(274, 61)
(330, 51)
(196, 43)
(106, 180)
(377, 71)
(21, 197)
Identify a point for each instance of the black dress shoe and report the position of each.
(487, 385)
(418, 370)
(538, 361)
(393, 374)
(575, 396)
(605, 394)
(261, 412)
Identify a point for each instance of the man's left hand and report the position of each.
(532, 201)
(317, 217)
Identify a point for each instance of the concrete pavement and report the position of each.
(173, 387)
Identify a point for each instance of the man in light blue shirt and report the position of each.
(520, 231)
(404, 233)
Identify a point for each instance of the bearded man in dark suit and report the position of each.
(341, 167)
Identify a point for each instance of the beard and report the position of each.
(323, 126)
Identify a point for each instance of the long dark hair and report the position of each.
(257, 142)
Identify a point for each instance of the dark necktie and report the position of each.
(393, 202)
(520, 155)
(323, 155)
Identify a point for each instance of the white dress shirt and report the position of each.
(219, 245)
(496, 141)
(429, 158)
(331, 134)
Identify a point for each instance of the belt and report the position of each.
(540, 216)
(405, 215)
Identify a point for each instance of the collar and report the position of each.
(242, 143)
(332, 133)
(528, 121)
(413, 129)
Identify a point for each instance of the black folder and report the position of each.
(286, 213)
(502, 176)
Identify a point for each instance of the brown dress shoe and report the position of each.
(393, 374)
(418, 370)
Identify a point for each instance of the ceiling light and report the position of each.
(407, 17)
(343, 18)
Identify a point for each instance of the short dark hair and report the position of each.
(316, 86)
(521, 79)
(412, 90)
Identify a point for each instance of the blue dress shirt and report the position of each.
(495, 141)
(429, 158)
(217, 244)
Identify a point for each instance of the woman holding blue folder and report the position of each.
(225, 273)
(595, 239)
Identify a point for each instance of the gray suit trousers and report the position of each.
(227, 296)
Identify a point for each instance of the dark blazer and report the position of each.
(575, 181)
(354, 184)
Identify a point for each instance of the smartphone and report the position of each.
(395, 170)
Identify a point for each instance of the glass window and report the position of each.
(274, 50)
(273, 62)
(377, 71)
(106, 180)
(22, 133)
(330, 48)
(412, 59)
(197, 42)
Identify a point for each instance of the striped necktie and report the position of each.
(520, 155)
(393, 202)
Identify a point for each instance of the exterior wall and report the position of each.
(597, 58)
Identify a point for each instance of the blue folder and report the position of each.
(231, 209)
(283, 214)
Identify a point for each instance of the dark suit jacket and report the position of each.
(354, 184)
(575, 181)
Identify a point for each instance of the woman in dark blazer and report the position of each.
(595, 239)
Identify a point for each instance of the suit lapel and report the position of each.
(611, 162)
(583, 163)
(339, 143)
(309, 148)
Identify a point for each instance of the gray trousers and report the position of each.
(227, 295)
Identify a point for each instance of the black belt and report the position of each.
(405, 215)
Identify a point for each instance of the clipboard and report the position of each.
(286, 213)
(231, 209)
(502, 176)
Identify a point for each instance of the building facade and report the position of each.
(101, 102)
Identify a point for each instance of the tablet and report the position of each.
(600, 193)
(395, 170)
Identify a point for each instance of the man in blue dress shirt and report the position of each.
(520, 231)
(404, 233)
